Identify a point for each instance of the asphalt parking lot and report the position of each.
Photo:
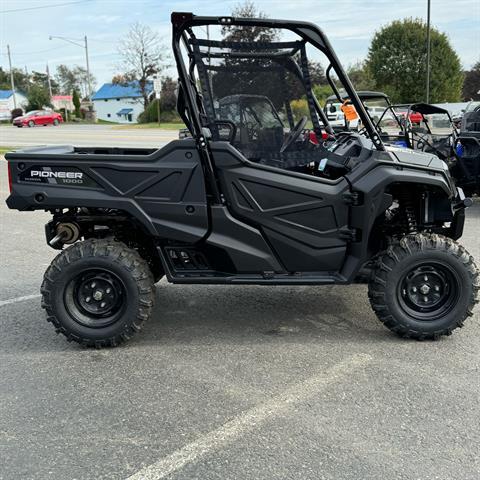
(231, 383)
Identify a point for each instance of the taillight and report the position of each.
(9, 166)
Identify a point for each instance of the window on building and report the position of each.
(108, 115)
(106, 99)
(129, 117)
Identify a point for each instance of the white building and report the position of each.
(7, 103)
(119, 103)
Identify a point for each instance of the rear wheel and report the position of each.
(424, 287)
(31, 123)
(98, 293)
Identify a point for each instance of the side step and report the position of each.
(187, 265)
(254, 279)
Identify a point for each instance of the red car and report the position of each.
(38, 117)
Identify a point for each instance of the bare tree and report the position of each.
(73, 78)
(142, 57)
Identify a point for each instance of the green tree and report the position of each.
(237, 33)
(168, 97)
(322, 92)
(361, 76)
(248, 76)
(38, 98)
(76, 103)
(39, 78)
(151, 114)
(471, 85)
(73, 78)
(20, 78)
(397, 62)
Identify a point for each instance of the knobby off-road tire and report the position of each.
(424, 286)
(98, 293)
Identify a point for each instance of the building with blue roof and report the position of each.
(7, 103)
(120, 103)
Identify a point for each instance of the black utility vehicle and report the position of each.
(246, 203)
(374, 102)
(435, 132)
(466, 168)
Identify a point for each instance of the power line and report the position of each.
(43, 6)
(37, 52)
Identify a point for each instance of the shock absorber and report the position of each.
(407, 207)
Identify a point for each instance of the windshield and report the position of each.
(252, 85)
(472, 106)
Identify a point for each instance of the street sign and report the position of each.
(157, 86)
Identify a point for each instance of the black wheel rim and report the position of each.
(95, 297)
(429, 291)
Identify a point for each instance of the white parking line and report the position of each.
(247, 421)
(18, 299)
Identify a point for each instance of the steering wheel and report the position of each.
(422, 142)
(294, 134)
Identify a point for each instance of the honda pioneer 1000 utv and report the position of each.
(255, 196)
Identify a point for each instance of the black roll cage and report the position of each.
(182, 24)
(421, 108)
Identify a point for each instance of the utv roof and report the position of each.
(427, 109)
(364, 95)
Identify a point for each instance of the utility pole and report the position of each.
(428, 51)
(88, 70)
(12, 82)
(85, 46)
(49, 82)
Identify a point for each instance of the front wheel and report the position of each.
(424, 286)
(55, 123)
(98, 293)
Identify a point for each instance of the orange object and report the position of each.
(349, 111)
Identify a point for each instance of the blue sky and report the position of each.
(350, 25)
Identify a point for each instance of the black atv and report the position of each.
(466, 168)
(260, 206)
(435, 132)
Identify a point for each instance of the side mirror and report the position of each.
(227, 130)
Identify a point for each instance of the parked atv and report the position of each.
(466, 169)
(375, 103)
(436, 133)
(258, 206)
